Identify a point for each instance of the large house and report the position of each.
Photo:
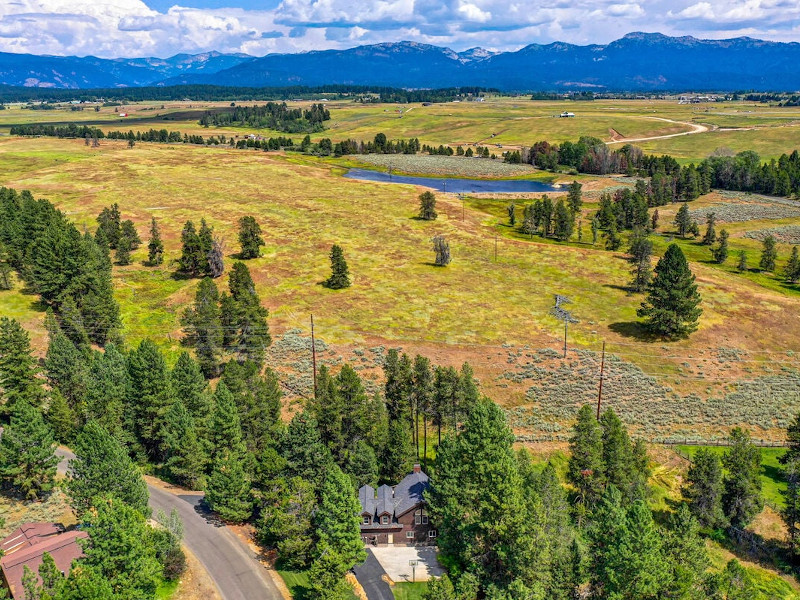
(26, 546)
(397, 515)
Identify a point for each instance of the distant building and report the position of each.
(566, 115)
(397, 515)
(123, 114)
(26, 546)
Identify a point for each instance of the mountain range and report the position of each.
(636, 62)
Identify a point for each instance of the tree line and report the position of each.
(669, 181)
(272, 115)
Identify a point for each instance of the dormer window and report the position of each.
(420, 517)
(385, 519)
(366, 520)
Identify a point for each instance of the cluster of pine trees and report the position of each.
(70, 271)
(509, 529)
(272, 115)
(547, 219)
(669, 181)
(91, 401)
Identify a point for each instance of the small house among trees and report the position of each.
(397, 515)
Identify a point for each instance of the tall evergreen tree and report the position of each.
(102, 467)
(617, 454)
(202, 327)
(672, 305)
(18, 371)
(720, 252)
(286, 523)
(226, 428)
(250, 238)
(511, 209)
(586, 469)
(613, 240)
(155, 247)
(427, 206)
(769, 254)
(128, 230)
(150, 395)
(6, 268)
(398, 455)
(190, 261)
(640, 251)
(564, 221)
(741, 266)
(306, 454)
(441, 249)
(191, 388)
(27, 453)
(258, 399)
(422, 396)
(120, 547)
(686, 557)
(704, 489)
(66, 368)
(205, 238)
(108, 392)
(340, 274)
(575, 197)
(185, 457)
(228, 492)
(109, 222)
(742, 498)
(711, 235)
(683, 220)
(246, 316)
(792, 270)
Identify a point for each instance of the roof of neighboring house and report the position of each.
(397, 501)
(410, 492)
(63, 547)
(26, 535)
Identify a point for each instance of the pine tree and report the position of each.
(741, 266)
(27, 453)
(362, 465)
(226, 428)
(640, 250)
(150, 395)
(617, 454)
(574, 197)
(340, 275)
(654, 220)
(191, 251)
(683, 220)
(427, 206)
(742, 498)
(5, 268)
(121, 549)
(228, 489)
(155, 247)
(51, 576)
(205, 237)
(672, 304)
(306, 454)
(564, 221)
(512, 214)
(102, 467)
(216, 259)
(440, 589)
(586, 469)
(791, 501)
(686, 556)
(595, 230)
(245, 315)
(704, 488)
(108, 390)
(286, 522)
(185, 458)
(85, 583)
(108, 222)
(442, 250)
(711, 235)
(613, 241)
(423, 392)
(250, 238)
(258, 399)
(720, 253)
(61, 418)
(128, 230)
(203, 328)
(191, 388)
(769, 254)
(398, 456)
(66, 368)
(337, 520)
(18, 371)
(792, 270)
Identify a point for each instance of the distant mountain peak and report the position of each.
(476, 54)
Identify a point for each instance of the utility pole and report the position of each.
(314, 356)
(563, 315)
(602, 369)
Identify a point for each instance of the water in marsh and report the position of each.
(456, 186)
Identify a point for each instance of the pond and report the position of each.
(456, 186)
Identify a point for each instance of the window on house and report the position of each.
(409, 534)
(366, 520)
(424, 519)
(385, 520)
(417, 519)
(432, 533)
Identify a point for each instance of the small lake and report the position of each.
(456, 186)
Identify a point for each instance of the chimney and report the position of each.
(417, 468)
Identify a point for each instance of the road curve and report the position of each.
(228, 560)
(695, 129)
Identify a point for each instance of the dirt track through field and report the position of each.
(695, 129)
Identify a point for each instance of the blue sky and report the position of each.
(114, 28)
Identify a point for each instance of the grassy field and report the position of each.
(510, 122)
(299, 584)
(475, 309)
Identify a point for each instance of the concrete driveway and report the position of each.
(395, 561)
(370, 576)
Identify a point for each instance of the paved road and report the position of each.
(228, 560)
(369, 576)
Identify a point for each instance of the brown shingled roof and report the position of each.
(63, 547)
